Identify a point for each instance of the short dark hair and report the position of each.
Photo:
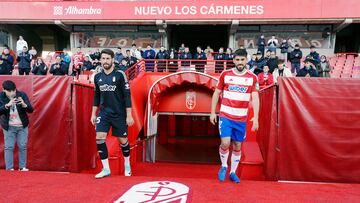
(240, 52)
(118, 47)
(9, 85)
(108, 52)
(280, 61)
(133, 45)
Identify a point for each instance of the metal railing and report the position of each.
(176, 65)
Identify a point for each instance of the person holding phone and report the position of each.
(39, 68)
(14, 107)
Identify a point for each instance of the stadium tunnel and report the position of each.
(177, 122)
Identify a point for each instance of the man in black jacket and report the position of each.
(185, 55)
(201, 57)
(162, 55)
(39, 68)
(4, 68)
(272, 62)
(261, 44)
(8, 60)
(308, 70)
(24, 60)
(219, 58)
(284, 49)
(59, 68)
(130, 59)
(87, 63)
(295, 57)
(314, 56)
(14, 106)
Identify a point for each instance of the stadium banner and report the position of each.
(116, 39)
(179, 10)
(249, 39)
(319, 125)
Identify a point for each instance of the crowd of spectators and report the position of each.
(269, 66)
(265, 62)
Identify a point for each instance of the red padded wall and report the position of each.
(49, 130)
(83, 149)
(267, 135)
(319, 129)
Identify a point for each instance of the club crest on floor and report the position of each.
(156, 191)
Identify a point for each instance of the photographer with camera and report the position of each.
(14, 106)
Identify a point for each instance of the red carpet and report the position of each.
(205, 171)
(59, 187)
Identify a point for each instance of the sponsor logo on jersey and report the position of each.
(100, 80)
(156, 191)
(238, 88)
(107, 88)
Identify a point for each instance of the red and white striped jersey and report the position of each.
(236, 94)
(78, 59)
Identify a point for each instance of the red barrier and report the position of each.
(319, 128)
(267, 136)
(83, 148)
(61, 137)
(49, 130)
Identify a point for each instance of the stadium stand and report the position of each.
(345, 65)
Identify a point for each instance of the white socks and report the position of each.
(235, 160)
(105, 163)
(127, 161)
(224, 154)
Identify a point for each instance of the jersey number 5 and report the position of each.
(98, 119)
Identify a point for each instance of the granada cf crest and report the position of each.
(156, 192)
(190, 99)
